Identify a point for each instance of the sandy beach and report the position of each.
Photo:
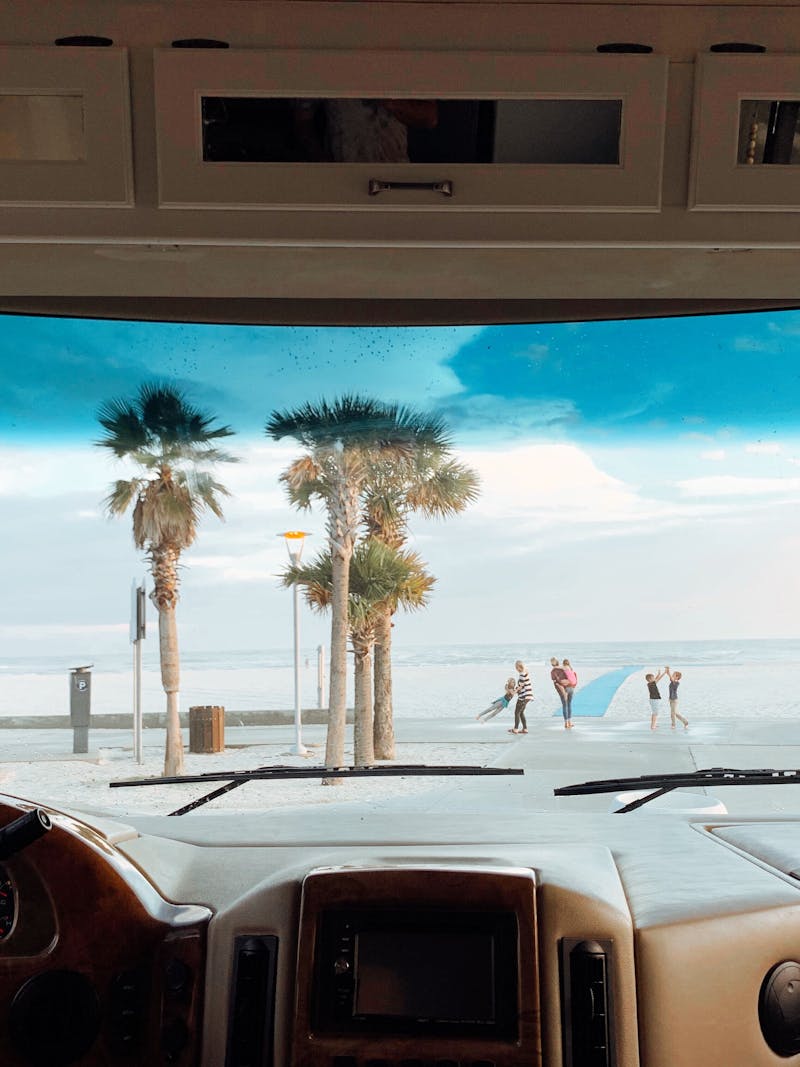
(56, 777)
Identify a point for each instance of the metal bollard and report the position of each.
(80, 706)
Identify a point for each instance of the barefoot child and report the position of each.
(674, 682)
(524, 697)
(652, 681)
(500, 704)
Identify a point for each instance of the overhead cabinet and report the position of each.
(65, 131)
(746, 133)
(409, 130)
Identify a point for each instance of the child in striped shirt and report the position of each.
(524, 697)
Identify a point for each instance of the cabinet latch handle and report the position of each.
(376, 186)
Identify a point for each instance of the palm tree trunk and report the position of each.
(170, 679)
(337, 699)
(343, 516)
(383, 729)
(364, 753)
(164, 567)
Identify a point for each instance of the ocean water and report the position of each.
(605, 654)
(748, 678)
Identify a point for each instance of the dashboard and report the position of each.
(216, 940)
(95, 966)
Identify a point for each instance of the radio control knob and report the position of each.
(341, 965)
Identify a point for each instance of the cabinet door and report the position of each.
(409, 130)
(65, 127)
(746, 133)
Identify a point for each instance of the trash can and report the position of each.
(207, 728)
(80, 706)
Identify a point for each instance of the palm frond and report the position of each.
(183, 452)
(316, 579)
(380, 577)
(168, 415)
(433, 485)
(149, 461)
(357, 422)
(122, 494)
(207, 491)
(413, 593)
(447, 490)
(171, 440)
(159, 417)
(349, 419)
(125, 432)
(384, 515)
(166, 512)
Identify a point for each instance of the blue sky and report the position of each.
(640, 479)
(594, 379)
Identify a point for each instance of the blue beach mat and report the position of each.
(593, 698)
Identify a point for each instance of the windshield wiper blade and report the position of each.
(665, 783)
(234, 779)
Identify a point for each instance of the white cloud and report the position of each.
(46, 471)
(731, 485)
(763, 448)
(480, 415)
(42, 471)
(716, 455)
(535, 353)
(787, 326)
(213, 562)
(556, 486)
(247, 567)
(43, 631)
(752, 344)
(657, 395)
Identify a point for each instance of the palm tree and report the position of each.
(170, 441)
(343, 441)
(378, 574)
(437, 486)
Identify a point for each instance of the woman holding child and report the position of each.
(569, 689)
(564, 681)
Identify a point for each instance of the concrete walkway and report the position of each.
(549, 755)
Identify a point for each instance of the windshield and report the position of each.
(618, 497)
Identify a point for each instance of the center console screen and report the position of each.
(433, 976)
(409, 970)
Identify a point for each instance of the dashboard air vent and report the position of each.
(252, 1013)
(586, 1003)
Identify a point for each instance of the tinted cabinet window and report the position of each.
(355, 130)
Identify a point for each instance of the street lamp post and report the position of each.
(294, 540)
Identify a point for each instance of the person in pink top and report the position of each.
(558, 676)
(570, 683)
